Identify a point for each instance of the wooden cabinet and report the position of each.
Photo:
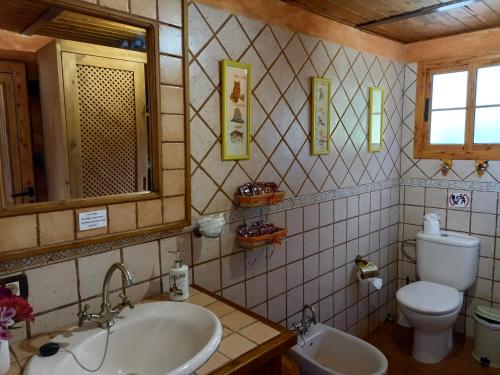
(95, 120)
(16, 159)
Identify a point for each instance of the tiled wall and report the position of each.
(283, 64)
(316, 264)
(329, 222)
(424, 189)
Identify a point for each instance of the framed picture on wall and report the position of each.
(236, 110)
(320, 116)
(376, 120)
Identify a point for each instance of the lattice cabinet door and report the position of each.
(106, 125)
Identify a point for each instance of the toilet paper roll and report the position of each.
(431, 224)
(376, 282)
(431, 227)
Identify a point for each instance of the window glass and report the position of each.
(487, 112)
(487, 125)
(447, 117)
(488, 86)
(449, 90)
(448, 127)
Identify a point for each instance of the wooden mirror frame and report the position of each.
(153, 80)
(153, 91)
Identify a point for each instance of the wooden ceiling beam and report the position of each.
(443, 7)
(43, 20)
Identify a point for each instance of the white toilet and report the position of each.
(447, 266)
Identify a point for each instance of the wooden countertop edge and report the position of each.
(261, 354)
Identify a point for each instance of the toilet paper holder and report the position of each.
(366, 269)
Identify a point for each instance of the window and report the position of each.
(458, 110)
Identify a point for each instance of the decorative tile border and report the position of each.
(451, 184)
(238, 214)
(305, 200)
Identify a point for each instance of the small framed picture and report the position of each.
(236, 110)
(320, 116)
(376, 118)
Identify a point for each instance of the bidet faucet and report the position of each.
(302, 328)
(105, 318)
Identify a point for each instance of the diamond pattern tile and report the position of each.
(376, 72)
(210, 113)
(283, 63)
(295, 53)
(295, 96)
(309, 42)
(340, 101)
(202, 137)
(199, 84)
(350, 84)
(282, 73)
(320, 59)
(304, 157)
(214, 17)
(214, 165)
(252, 27)
(282, 35)
(305, 75)
(267, 93)
(267, 46)
(199, 31)
(282, 116)
(254, 165)
(318, 174)
(209, 60)
(349, 119)
(268, 137)
(233, 38)
(282, 158)
(258, 68)
(341, 64)
(339, 172)
(332, 49)
(200, 200)
(295, 137)
(295, 177)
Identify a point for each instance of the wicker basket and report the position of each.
(260, 200)
(259, 241)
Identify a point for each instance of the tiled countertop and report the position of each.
(246, 337)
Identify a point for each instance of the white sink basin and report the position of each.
(156, 338)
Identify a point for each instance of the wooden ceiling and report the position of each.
(409, 20)
(32, 18)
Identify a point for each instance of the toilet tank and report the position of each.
(449, 258)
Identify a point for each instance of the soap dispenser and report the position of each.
(179, 279)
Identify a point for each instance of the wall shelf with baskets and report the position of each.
(258, 194)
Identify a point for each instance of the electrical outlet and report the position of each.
(18, 284)
(15, 287)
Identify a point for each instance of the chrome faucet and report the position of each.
(302, 328)
(105, 318)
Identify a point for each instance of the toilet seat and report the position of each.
(429, 298)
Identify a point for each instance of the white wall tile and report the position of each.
(52, 286)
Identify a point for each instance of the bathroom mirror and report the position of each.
(376, 120)
(76, 119)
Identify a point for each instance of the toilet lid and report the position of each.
(429, 298)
